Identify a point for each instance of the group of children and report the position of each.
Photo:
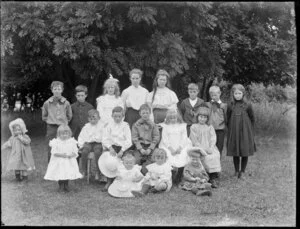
(143, 142)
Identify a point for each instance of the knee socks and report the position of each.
(244, 163)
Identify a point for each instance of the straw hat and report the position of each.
(196, 150)
(108, 164)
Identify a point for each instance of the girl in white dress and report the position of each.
(203, 135)
(110, 99)
(162, 97)
(159, 175)
(134, 96)
(129, 177)
(63, 165)
(175, 142)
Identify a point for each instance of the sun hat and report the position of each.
(19, 122)
(108, 164)
(197, 150)
(203, 111)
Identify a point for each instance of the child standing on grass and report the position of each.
(116, 139)
(162, 97)
(217, 115)
(55, 112)
(134, 96)
(189, 106)
(129, 177)
(159, 175)
(145, 136)
(110, 99)
(63, 165)
(90, 140)
(20, 158)
(203, 135)
(240, 121)
(195, 178)
(175, 142)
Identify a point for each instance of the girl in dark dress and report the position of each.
(240, 122)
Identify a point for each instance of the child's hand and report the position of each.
(120, 154)
(173, 152)
(137, 179)
(209, 150)
(112, 151)
(147, 151)
(143, 152)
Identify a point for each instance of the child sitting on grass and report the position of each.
(195, 178)
(20, 158)
(128, 177)
(159, 175)
(63, 166)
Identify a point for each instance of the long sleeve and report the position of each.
(25, 139)
(107, 142)
(68, 111)
(155, 137)
(100, 105)
(82, 138)
(228, 115)
(250, 113)
(182, 109)
(165, 137)
(135, 137)
(128, 142)
(8, 143)
(193, 136)
(45, 111)
(174, 100)
(212, 136)
(167, 175)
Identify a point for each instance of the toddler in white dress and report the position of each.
(63, 165)
(129, 177)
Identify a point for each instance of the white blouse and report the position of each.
(105, 105)
(134, 97)
(165, 97)
(117, 134)
(91, 133)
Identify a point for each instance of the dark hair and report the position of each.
(81, 88)
(118, 109)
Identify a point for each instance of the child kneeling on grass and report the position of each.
(20, 158)
(159, 175)
(195, 178)
(129, 177)
(63, 165)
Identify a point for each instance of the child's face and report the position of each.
(238, 95)
(17, 130)
(128, 163)
(162, 81)
(93, 119)
(160, 159)
(117, 116)
(64, 135)
(135, 79)
(173, 119)
(202, 119)
(57, 90)
(195, 160)
(193, 93)
(80, 96)
(145, 114)
(111, 89)
(214, 95)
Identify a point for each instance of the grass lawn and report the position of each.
(267, 196)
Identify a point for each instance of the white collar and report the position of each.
(217, 101)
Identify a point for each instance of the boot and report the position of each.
(204, 193)
(61, 186)
(108, 183)
(143, 192)
(66, 186)
(18, 175)
(24, 176)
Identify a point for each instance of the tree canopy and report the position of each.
(194, 41)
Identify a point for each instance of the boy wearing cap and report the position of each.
(189, 106)
(217, 115)
(55, 111)
(195, 178)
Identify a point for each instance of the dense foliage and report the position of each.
(82, 42)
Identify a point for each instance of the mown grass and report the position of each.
(267, 196)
